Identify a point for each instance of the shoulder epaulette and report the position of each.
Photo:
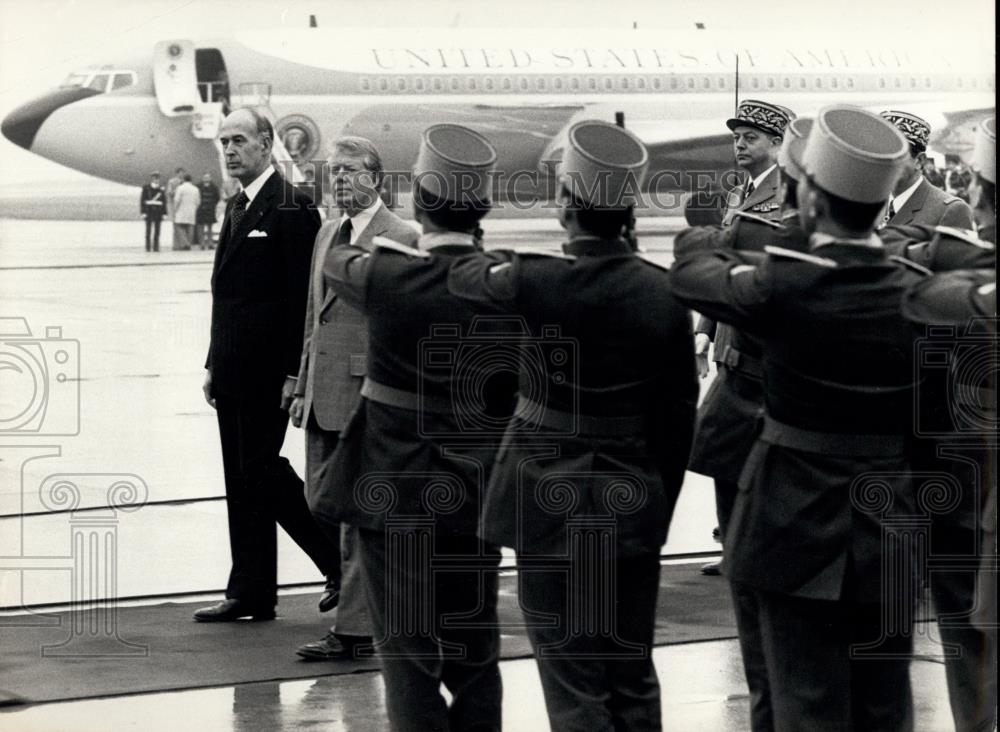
(910, 264)
(758, 219)
(385, 243)
(550, 253)
(965, 235)
(801, 256)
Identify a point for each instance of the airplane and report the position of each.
(521, 88)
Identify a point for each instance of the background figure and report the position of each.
(956, 177)
(172, 184)
(259, 283)
(311, 187)
(932, 174)
(210, 195)
(152, 207)
(186, 202)
(914, 200)
(334, 355)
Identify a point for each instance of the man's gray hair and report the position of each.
(363, 148)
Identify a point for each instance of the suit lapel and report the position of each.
(913, 204)
(261, 203)
(376, 227)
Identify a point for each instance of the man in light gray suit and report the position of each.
(333, 368)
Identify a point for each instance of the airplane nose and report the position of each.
(21, 125)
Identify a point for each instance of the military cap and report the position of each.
(854, 154)
(771, 118)
(603, 164)
(792, 146)
(984, 156)
(455, 164)
(916, 130)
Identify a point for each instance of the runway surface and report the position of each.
(129, 425)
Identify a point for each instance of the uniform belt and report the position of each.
(529, 410)
(403, 399)
(739, 361)
(779, 433)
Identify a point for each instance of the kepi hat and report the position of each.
(455, 164)
(854, 154)
(793, 144)
(917, 131)
(603, 164)
(771, 118)
(984, 155)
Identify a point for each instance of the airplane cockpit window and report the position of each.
(98, 82)
(122, 80)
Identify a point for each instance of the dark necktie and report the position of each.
(892, 211)
(750, 190)
(238, 211)
(343, 234)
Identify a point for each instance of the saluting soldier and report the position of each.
(915, 200)
(728, 415)
(591, 464)
(410, 468)
(808, 530)
(956, 436)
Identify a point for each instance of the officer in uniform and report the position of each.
(411, 465)
(152, 207)
(727, 418)
(807, 534)
(915, 200)
(591, 465)
(957, 436)
(758, 130)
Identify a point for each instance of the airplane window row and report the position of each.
(703, 83)
(102, 81)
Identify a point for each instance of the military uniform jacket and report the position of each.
(727, 418)
(259, 283)
(838, 370)
(414, 451)
(931, 206)
(335, 339)
(607, 397)
(153, 202)
(765, 200)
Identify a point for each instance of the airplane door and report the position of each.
(175, 77)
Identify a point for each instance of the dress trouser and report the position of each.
(152, 235)
(597, 670)
(433, 602)
(832, 668)
(352, 608)
(261, 489)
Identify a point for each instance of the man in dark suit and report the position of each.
(595, 454)
(827, 488)
(914, 200)
(412, 462)
(334, 351)
(259, 285)
(153, 207)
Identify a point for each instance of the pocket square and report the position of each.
(256, 233)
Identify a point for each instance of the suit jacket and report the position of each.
(763, 202)
(932, 206)
(838, 367)
(335, 342)
(259, 287)
(627, 354)
(153, 202)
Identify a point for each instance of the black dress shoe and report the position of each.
(332, 647)
(331, 596)
(230, 610)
